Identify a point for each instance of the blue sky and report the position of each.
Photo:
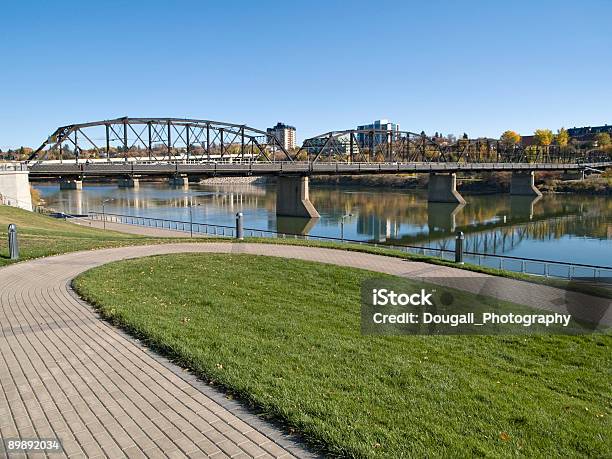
(453, 67)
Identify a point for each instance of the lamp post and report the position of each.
(190, 206)
(104, 212)
(342, 225)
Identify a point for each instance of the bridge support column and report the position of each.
(128, 182)
(71, 184)
(292, 198)
(523, 184)
(443, 188)
(179, 180)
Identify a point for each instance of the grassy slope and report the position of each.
(238, 321)
(602, 289)
(43, 236)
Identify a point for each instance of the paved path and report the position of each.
(66, 373)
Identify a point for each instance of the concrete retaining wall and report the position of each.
(15, 189)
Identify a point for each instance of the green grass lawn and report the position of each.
(602, 289)
(41, 236)
(284, 335)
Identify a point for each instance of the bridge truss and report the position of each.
(160, 139)
(380, 145)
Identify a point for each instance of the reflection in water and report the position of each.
(295, 225)
(555, 227)
(441, 217)
(523, 206)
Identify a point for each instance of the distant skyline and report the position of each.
(476, 67)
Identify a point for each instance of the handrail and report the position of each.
(354, 241)
(13, 166)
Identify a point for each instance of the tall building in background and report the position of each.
(284, 133)
(366, 139)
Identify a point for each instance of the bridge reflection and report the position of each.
(493, 224)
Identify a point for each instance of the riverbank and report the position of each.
(42, 236)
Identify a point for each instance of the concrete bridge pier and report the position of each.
(179, 180)
(71, 184)
(129, 182)
(292, 198)
(523, 184)
(443, 188)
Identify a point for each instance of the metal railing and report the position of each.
(165, 224)
(532, 266)
(13, 166)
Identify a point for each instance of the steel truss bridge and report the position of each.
(159, 139)
(172, 146)
(380, 145)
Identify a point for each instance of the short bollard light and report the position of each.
(459, 247)
(12, 242)
(239, 227)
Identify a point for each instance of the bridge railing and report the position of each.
(532, 266)
(13, 166)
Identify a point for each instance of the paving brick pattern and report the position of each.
(66, 373)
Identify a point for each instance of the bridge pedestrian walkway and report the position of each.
(65, 372)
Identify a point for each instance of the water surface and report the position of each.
(563, 227)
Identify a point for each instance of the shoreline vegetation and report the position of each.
(487, 183)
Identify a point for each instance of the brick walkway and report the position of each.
(65, 373)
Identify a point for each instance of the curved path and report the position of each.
(65, 373)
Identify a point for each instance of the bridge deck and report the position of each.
(286, 167)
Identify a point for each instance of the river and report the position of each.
(561, 227)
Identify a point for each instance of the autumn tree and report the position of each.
(562, 137)
(543, 137)
(603, 139)
(510, 138)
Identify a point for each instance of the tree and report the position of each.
(562, 137)
(510, 138)
(543, 137)
(603, 139)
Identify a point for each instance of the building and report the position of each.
(284, 133)
(589, 131)
(335, 146)
(365, 139)
(528, 140)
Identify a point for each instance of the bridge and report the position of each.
(130, 148)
